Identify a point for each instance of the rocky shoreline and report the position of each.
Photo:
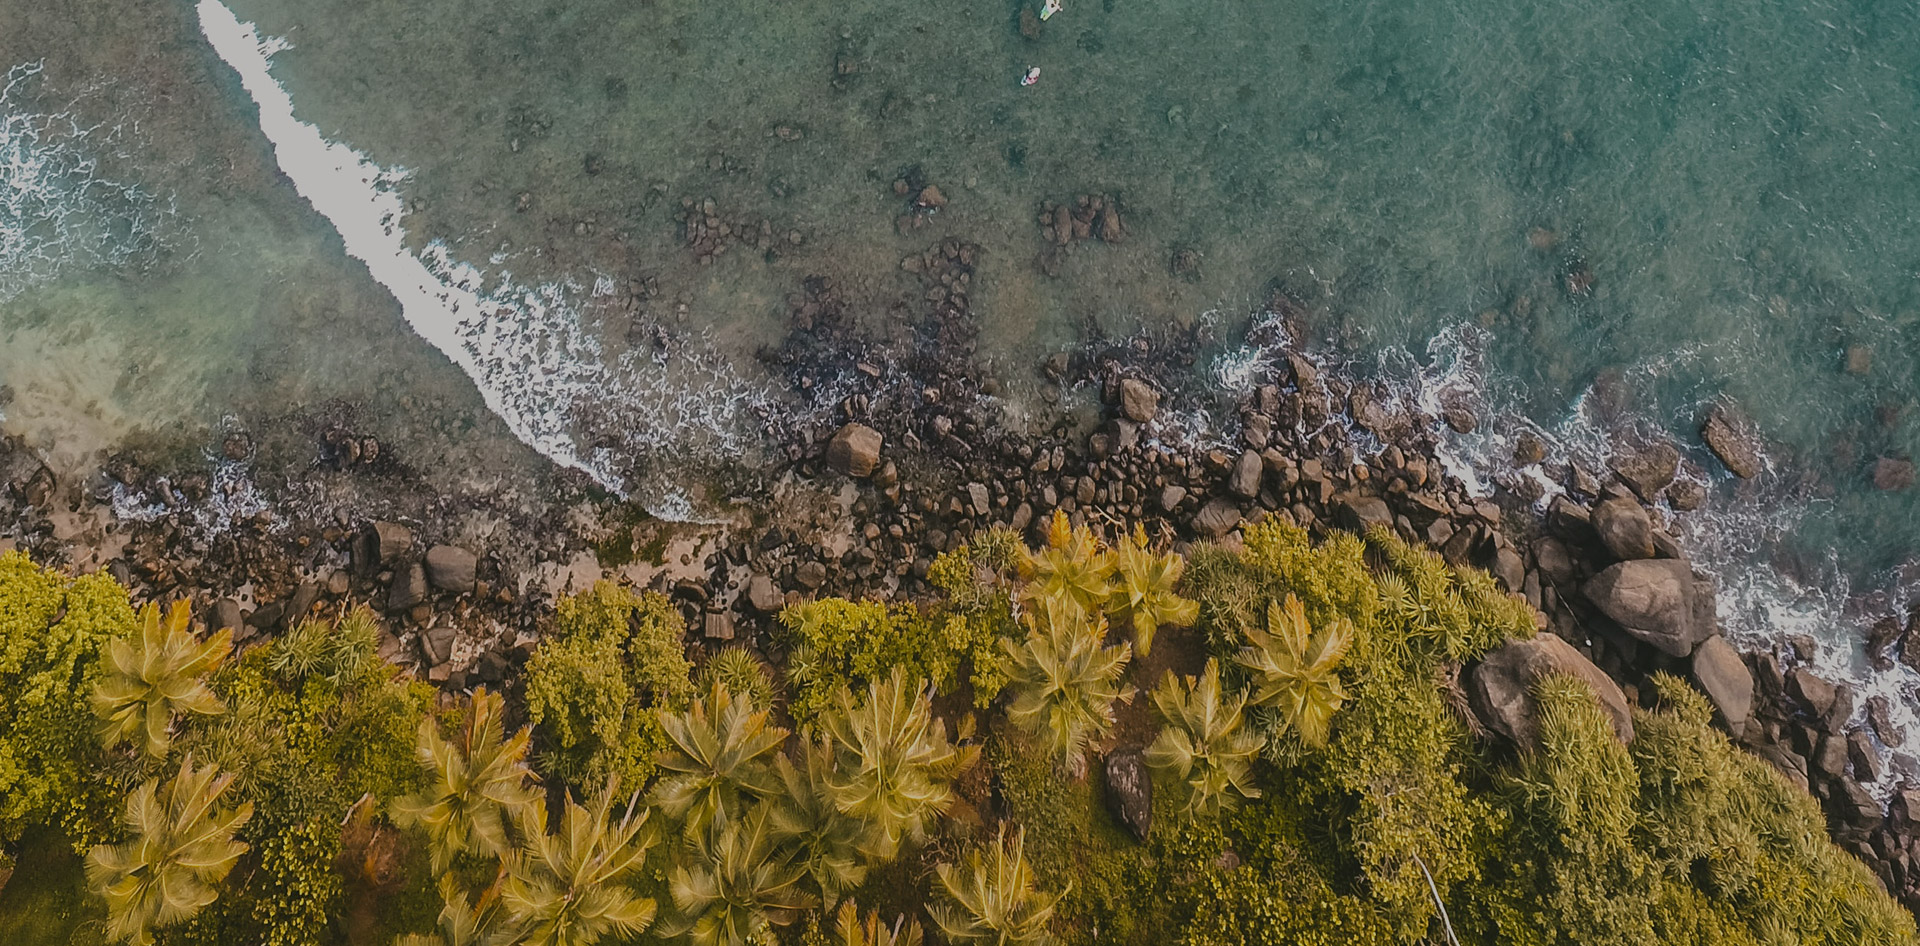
(910, 456)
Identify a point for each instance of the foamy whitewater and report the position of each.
(527, 348)
(56, 212)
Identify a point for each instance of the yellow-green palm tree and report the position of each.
(182, 846)
(464, 922)
(735, 883)
(993, 898)
(833, 848)
(1064, 679)
(893, 766)
(1295, 672)
(569, 888)
(1205, 747)
(1143, 589)
(851, 930)
(721, 747)
(1071, 566)
(155, 675)
(479, 782)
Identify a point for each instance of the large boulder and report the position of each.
(764, 596)
(1500, 689)
(1360, 512)
(451, 568)
(1658, 601)
(1648, 471)
(1217, 518)
(1718, 669)
(1245, 479)
(389, 541)
(855, 450)
(1138, 400)
(436, 644)
(1130, 792)
(1729, 437)
(409, 588)
(1624, 528)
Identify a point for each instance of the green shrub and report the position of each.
(839, 643)
(53, 631)
(609, 660)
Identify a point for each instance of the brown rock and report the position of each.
(450, 568)
(1658, 601)
(1648, 471)
(1500, 688)
(1217, 518)
(1138, 401)
(409, 588)
(1859, 359)
(1361, 512)
(1624, 529)
(1130, 792)
(930, 198)
(1245, 480)
(1729, 438)
(855, 450)
(1724, 677)
(390, 540)
(764, 596)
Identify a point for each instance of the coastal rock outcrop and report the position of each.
(1500, 689)
(1658, 601)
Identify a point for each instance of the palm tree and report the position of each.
(156, 675)
(1064, 681)
(569, 888)
(852, 931)
(1144, 589)
(721, 744)
(464, 922)
(1294, 672)
(893, 764)
(735, 883)
(994, 899)
(1072, 566)
(182, 846)
(1205, 745)
(831, 847)
(479, 783)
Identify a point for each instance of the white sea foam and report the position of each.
(56, 211)
(527, 347)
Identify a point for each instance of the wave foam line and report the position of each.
(524, 347)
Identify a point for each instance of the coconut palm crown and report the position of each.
(479, 782)
(735, 883)
(721, 744)
(893, 764)
(569, 888)
(992, 897)
(1064, 680)
(1295, 672)
(182, 846)
(154, 676)
(1143, 589)
(1072, 566)
(1205, 747)
(851, 930)
(833, 848)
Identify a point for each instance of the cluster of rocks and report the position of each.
(708, 234)
(924, 200)
(1086, 217)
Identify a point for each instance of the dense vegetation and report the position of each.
(911, 773)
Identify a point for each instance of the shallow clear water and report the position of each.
(1681, 201)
